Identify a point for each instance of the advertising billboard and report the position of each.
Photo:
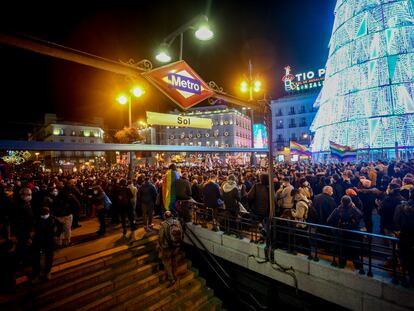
(260, 136)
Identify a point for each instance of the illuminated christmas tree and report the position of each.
(367, 98)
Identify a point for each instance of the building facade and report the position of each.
(54, 130)
(231, 128)
(292, 116)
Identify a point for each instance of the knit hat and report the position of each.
(351, 192)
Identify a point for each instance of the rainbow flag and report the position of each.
(168, 189)
(296, 148)
(342, 153)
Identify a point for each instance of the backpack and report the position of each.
(174, 233)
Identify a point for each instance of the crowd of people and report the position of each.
(38, 211)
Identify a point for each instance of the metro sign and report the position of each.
(180, 83)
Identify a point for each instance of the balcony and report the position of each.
(292, 125)
(303, 124)
(278, 127)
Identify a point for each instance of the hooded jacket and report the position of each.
(231, 196)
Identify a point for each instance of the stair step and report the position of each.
(139, 302)
(93, 292)
(193, 302)
(129, 272)
(213, 304)
(124, 290)
(183, 292)
(85, 296)
(134, 290)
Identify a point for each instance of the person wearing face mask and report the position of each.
(43, 242)
(22, 223)
(305, 189)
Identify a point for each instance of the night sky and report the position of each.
(270, 33)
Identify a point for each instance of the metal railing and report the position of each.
(246, 298)
(369, 252)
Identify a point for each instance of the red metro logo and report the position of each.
(180, 83)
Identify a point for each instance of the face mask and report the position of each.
(95, 192)
(55, 192)
(45, 216)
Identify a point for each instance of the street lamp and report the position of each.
(251, 85)
(203, 33)
(126, 99)
(308, 138)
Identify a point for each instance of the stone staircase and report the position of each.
(127, 277)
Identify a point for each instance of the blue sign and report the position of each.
(184, 83)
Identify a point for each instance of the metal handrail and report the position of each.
(368, 252)
(222, 270)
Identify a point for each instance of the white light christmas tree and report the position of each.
(367, 100)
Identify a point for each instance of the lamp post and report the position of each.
(308, 138)
(251, 85)
(202, 33)
(127, 99)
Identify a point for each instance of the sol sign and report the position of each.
(155, 118)
(180, 83)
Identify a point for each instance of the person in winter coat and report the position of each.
(65, 204)
(324, 204)
(213, 199)
(147, 195)
(305, 188)
(284, 195)
(43, 242)
(97, 200)
(22, 223)
(183, 188)
(367, 194)
(123, 196)
(259, 198)
(404, 221)
(346, 216)
(300, 212)
(407, 185)
(386, 209)
(231, 196)
(197, 189)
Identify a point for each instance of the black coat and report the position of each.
(231, 196)
(211, 195)
(324, 205)
(387, 210)
(183, 189)
(44, 233)
(147, 193)
(259, 199)
(197, 192)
